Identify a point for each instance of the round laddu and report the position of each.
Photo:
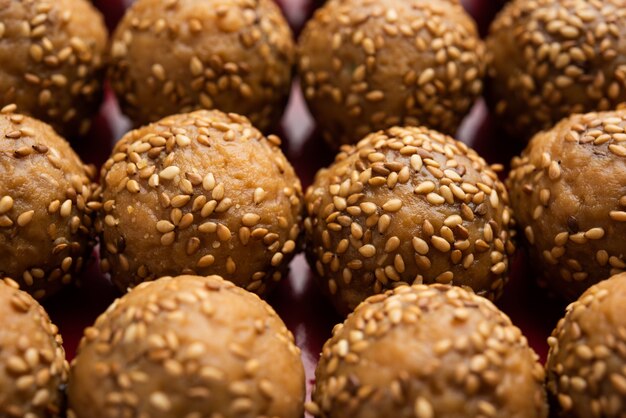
(548, 59)
(370, 64)
(33, 369)
(199, 193)
(189, 347)
(47, 204)
(52, 55)
(176, 56)
(568, 192)
(425, 352)
(407, 205)
(586, 367)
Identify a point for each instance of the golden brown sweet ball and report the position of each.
(199, 193)
(33, 370)
(424, 352)
(176, 56)
(586, 364)
(369, 64)
(187, 347)
(47, 204)
(52, 54)
(567, 192)
(407, 205)
(548, 59)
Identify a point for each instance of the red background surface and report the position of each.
(297, 299)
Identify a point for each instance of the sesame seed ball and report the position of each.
(567, 192)
(52, 54)
(187, 347)
(425, 352)
(33, 369)
(367, 65)
(548, 59)
(586, 364)
(176, 56)
(407, 205)
(199, 193)
(47, 204)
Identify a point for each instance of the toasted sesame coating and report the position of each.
(52, 54)
(187, 347)
(586, 365)
(176, 56)
(47, 204)
(33, 369)
(548, 59)
(568, 195)
(407, 205)
(424, 352)
(199, 193)
(367, 65)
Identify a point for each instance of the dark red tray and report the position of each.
(297, 299)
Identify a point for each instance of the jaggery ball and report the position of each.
(586, 365)
(53, 64)
(33, 370)
(548, 59)
(47, 203)
(199, 193)
(187, 347)
(173, 57)
(367, 65)
(428, 351)
(569, 197)
(407, 205)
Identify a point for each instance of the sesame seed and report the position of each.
(619, 216)
(160, 401)
(66, 208)
(250, 219)
(554, 171)
(594, 233)
(367, 251)
(132, 186)
(25, 218)
(6, 204)
(169, 173)
(168, 238)
(392, 205)
(440, 244)
(164, 226)
(618, 150)
(435, 199)
(420, 246)
(206, 261)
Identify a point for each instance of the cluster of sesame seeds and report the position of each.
(350, 85)
(252, 76)
(33, 360)
(408, 205)
(62, 225)
(581, 159)
(587, 358)
(62, 76)
(475, 350)
(548, 59)
(153, 354)
(207, 210)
